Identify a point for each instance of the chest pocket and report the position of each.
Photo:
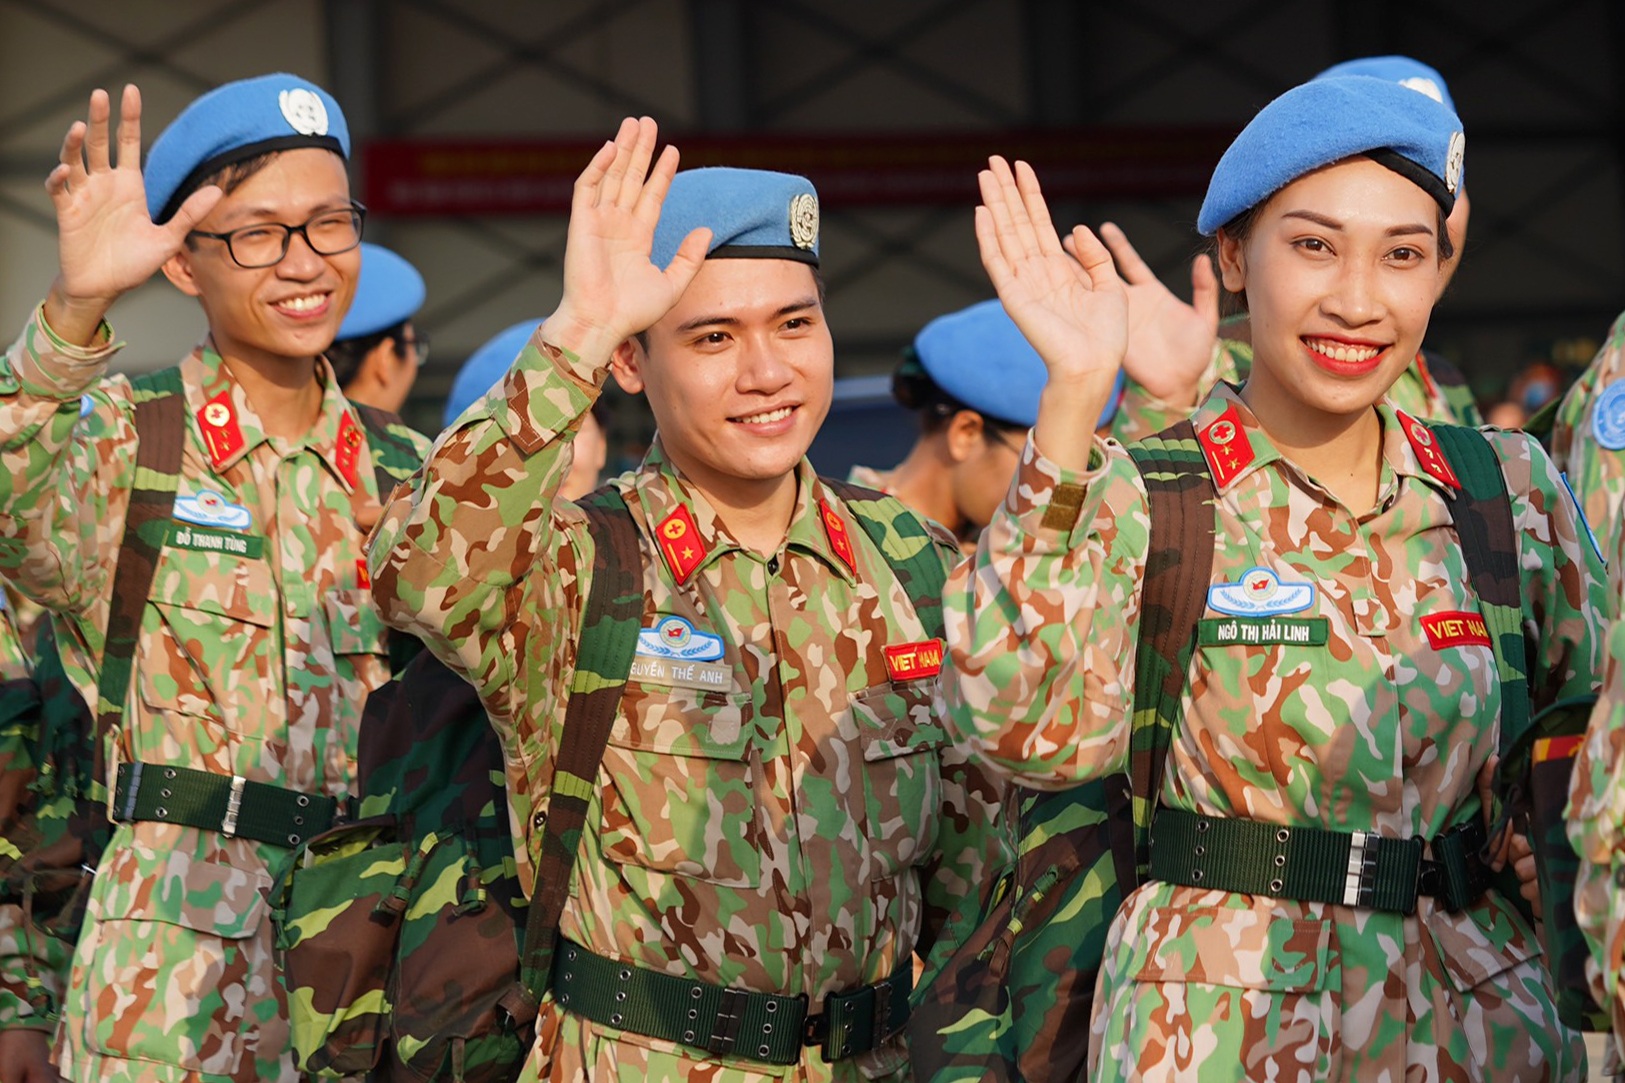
(208, 640)
(902, 773)
(680, 785)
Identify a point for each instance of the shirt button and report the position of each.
(1619, 877)
(772, 565)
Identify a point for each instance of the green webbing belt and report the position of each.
(1178, 571)
(228, 805)
(725, 1022)
(1314, 865)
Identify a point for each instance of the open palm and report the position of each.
(612, 289)
(107, 243)
(1170, 343)
(1071, 308)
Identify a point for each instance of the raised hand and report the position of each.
(1071, 307)
(1170, 343)
(612, 290)
(106, 241)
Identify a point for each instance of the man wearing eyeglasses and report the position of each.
(257, 642)
(379, 351)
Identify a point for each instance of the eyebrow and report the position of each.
(733, 321)
(1332, 223)
(243, 214)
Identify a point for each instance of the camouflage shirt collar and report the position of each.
(207, 378)
(1399, 457)
(664, 489)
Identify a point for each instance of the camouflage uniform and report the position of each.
(255, 665)
(1596, 473)
(800, 830)
(1375, 730)
(1415, 392)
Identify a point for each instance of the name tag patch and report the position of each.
(204, 540)
(1263, 631)
(209, 508)
(1457, 628)
(910, 661)
(675, 638)
(704, 676)
(1260, 593)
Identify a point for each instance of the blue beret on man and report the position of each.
(389, 292)
(1329, 119)
(236, 122)
(485, 367)
(981, 358)
(1403, 70)
(752, 214)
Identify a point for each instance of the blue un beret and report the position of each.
(1329, 119)
(752, 213)
(389, 291)
(233, 123)
(981, 358)
(485, 366)
(1397, 69)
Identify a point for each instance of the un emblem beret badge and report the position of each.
(804, 220)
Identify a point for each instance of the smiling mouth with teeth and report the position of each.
(766, 418)
(303, 304)
(1339, 351)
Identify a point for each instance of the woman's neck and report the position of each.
(1342, 452)
(924, 482)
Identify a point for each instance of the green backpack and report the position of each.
(407, 949)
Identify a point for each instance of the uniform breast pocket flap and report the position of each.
(202, 652)
(902, 739)
(680, 795)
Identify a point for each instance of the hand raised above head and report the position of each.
(1071, 307)
(107, 243)
(612, 289)
(1170, 343)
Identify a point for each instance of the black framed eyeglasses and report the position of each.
(266, 244)
(419, 345)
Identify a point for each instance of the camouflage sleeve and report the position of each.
(458, 539)
(33, 973)
(66, 462)
(1595, 473)
(1042, 622)
(1142, 414)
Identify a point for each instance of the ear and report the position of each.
(627, 364)
(178, 269)
(964, 435)
(1232, 263)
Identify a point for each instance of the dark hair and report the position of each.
(914, 389)
(1241, 226)
(818, 281)
(346, 354)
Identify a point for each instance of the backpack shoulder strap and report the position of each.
(1178, 570)
(1482, 513)
(160, 425)
(609, 639)
(905, 543)
(394, 456)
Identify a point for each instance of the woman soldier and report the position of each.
(1315, 906)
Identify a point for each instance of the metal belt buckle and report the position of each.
(1359, 885)
(815, 1029)
(234, 805)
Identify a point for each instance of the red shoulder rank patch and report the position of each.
(1457, 628)
(1557, 748)
(1426, 446)
(680, 543)
(221, 434)
(349, 450)
(839, 539)
(908, 661)
(1226, 446)
(363, 578)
